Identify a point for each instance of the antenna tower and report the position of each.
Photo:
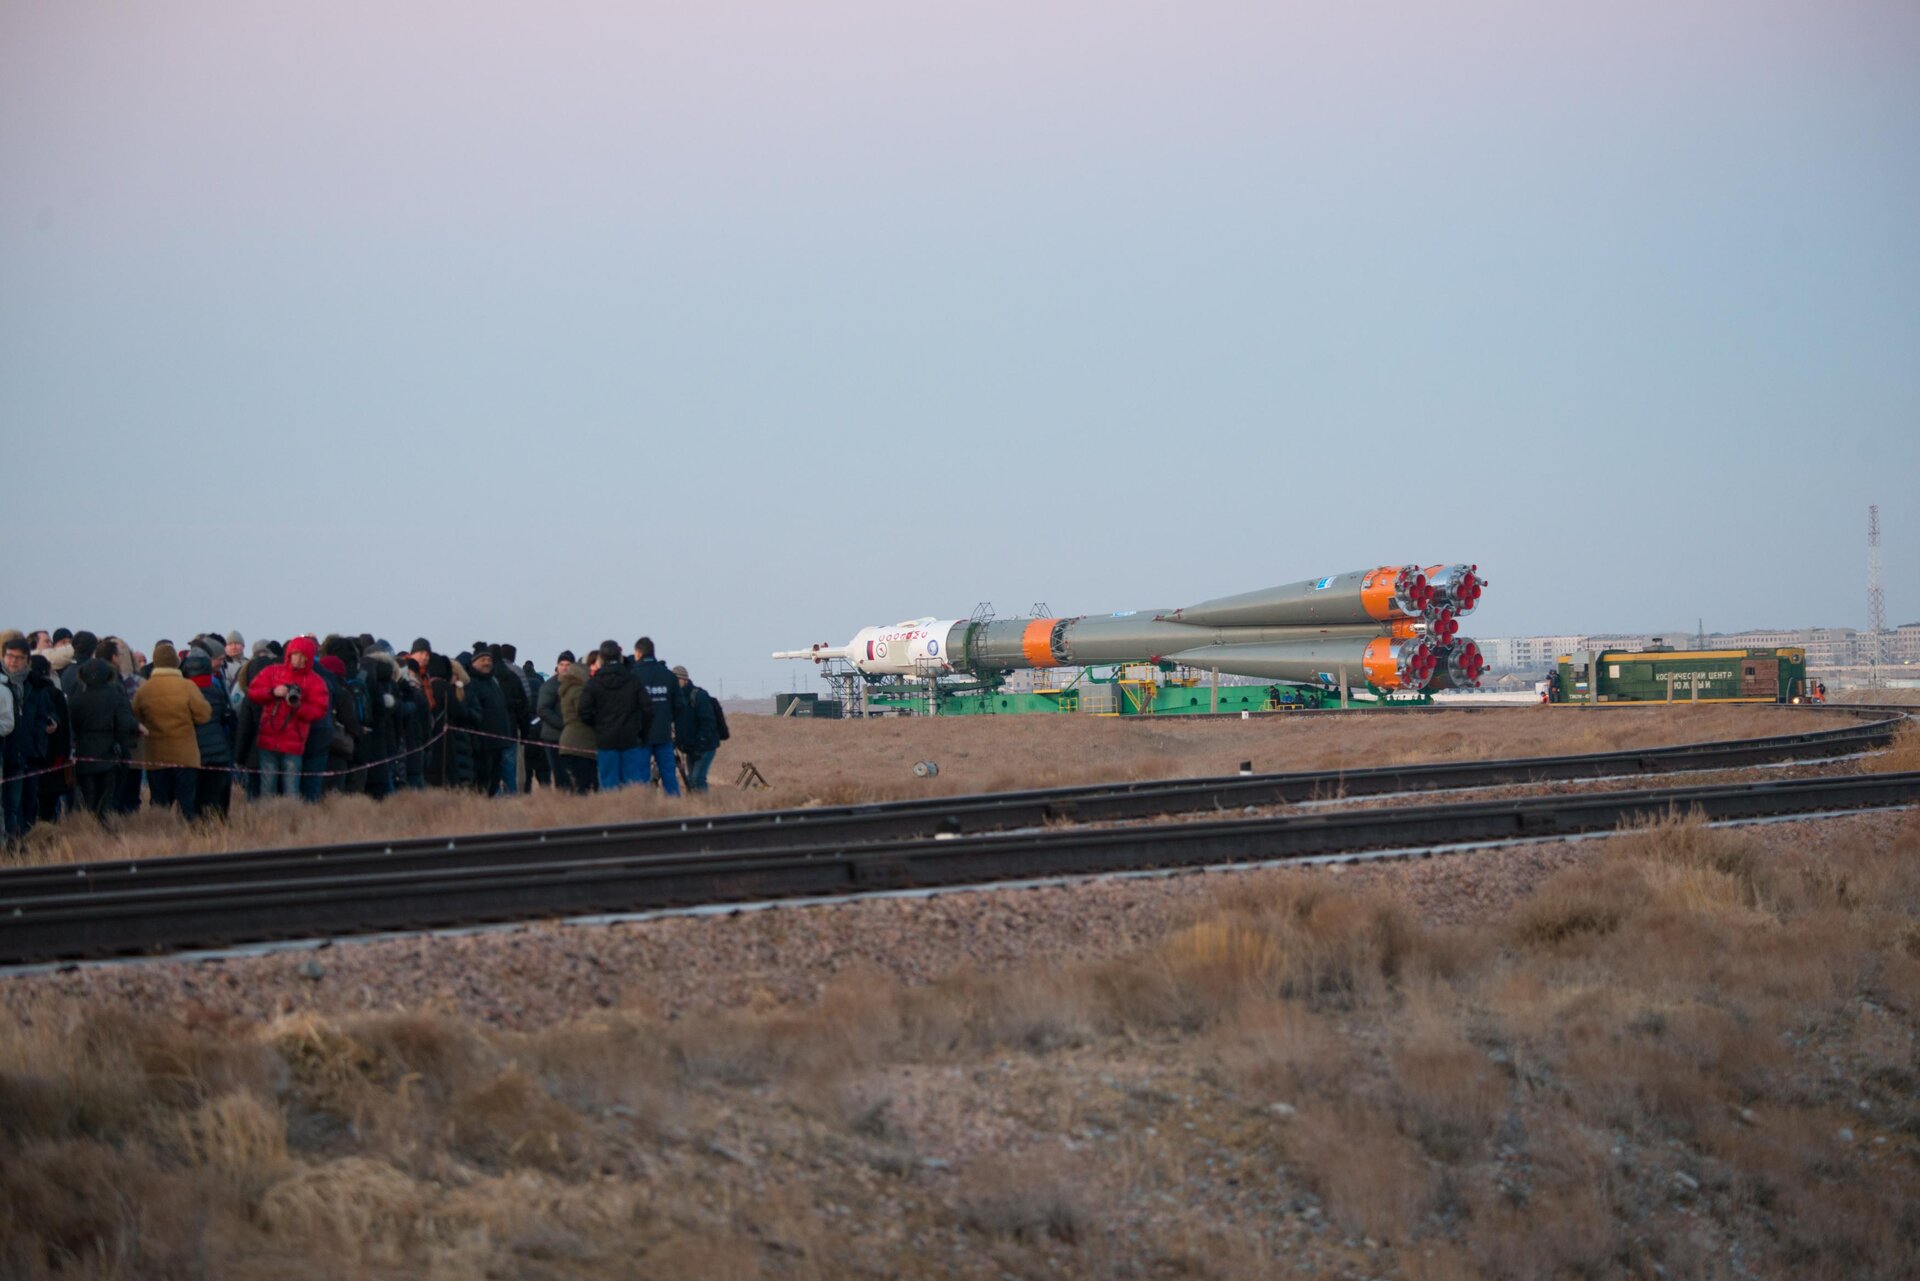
(1876, 600)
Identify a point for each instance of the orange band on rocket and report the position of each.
(1382, 670)
(1377, 592)
(1036, 643)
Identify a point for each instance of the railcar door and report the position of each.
(1760, 678)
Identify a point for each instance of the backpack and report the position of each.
(719, 720)
(362, 707)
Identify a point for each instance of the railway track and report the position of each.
(90, 910)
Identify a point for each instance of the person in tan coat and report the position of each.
(169, 706)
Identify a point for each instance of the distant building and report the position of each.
(1828, 648)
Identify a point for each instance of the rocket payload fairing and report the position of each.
(1393, 627)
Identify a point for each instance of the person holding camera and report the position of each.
(290, 698)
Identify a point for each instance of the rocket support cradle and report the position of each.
(1392, 627)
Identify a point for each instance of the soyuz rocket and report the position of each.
(1395, 627)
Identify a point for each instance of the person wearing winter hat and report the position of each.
(214, 792)
(292, 700)
(60, 657)
(236, 659)
(171, 708)
(84, 643)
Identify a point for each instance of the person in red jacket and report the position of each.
(291, 698)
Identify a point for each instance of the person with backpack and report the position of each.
(697, 732)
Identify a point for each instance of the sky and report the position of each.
(747, 325)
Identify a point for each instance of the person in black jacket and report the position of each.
(104, 735)
(697, 733)
(449, 753)
(246, 739)
(53, 784)
(539, 769)
(493, 717)
(664, 692)
(385, 714)
(616, 706)
(214, 786)
(29, 748)
(506, 678)
(414, 717)
(546, 706)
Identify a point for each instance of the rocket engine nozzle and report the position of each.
(1456, 586)
(1407, 663)
(1461, 665)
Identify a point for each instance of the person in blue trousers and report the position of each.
(666, 698)
(697, 731)
(616, 707)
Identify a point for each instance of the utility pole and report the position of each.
(1876, 600)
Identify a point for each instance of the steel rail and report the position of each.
(159, 919)
(915, 819)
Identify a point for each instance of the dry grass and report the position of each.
(1727, 1063)
(842, 762)
(1903, 755)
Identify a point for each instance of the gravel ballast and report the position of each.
(527, 977)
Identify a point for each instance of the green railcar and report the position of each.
(1684, 676)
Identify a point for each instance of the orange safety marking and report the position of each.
(1376, 592)
(1036, 644)
(1378, 660)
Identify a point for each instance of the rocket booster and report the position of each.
(1394, 626)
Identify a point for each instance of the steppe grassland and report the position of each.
(810, 762)
(1682, 1051)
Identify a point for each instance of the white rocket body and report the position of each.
(918, 645)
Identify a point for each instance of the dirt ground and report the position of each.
(808, 762)
(1675, 1052)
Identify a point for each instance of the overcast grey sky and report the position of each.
(748, 325)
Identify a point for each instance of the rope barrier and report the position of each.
(304, 773)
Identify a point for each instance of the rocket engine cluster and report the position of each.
(1395, 627)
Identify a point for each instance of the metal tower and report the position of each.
(1876, 601)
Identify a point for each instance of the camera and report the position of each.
(293, 696)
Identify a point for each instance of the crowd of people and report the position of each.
(89, 723)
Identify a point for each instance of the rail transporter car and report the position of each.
(1666, 675)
